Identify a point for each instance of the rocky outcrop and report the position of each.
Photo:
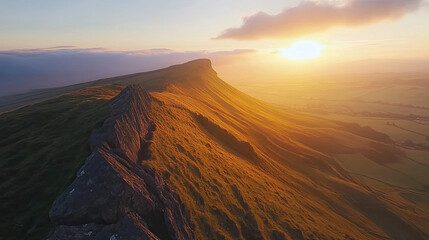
(115, 196)
(230, 141)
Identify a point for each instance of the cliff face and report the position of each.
(114, 196)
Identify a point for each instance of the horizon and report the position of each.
(57, 43)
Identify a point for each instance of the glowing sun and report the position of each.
(303, 50)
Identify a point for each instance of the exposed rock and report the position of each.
(240, 147)
(114, 196)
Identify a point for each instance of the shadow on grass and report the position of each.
(41, 148)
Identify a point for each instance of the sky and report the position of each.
(49, 43)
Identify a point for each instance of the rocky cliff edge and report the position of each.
(114, 195)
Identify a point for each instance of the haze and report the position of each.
(57, 43)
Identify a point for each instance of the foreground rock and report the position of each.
(114, 196)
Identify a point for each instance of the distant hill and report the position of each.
(152, 81)
(241, 168)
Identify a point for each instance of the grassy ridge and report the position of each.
(296, 190)
(41, 148)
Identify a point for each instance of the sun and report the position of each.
(303, 50)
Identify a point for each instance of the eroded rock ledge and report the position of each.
(114, 196)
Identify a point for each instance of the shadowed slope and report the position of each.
(41, 148)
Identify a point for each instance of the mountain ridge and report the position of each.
(246, 169)
(114, 196)
(11, 102)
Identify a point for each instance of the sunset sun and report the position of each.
(303, 50)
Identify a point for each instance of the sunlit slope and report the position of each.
(246, 169)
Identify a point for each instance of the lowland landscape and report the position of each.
(393, 104)
(242, 168)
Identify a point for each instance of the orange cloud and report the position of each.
(318, 16)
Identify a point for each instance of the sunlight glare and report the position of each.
(303, 50)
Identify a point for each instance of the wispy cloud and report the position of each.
(27, 69)
(318, 16)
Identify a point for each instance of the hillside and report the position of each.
(241, 168)
(41, 148)
(290, 184)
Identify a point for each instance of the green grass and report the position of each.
(408, 173)
(404, 129)
(41, 148)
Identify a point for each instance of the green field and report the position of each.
(32, 173)
(396, 105)
(402, 130)
(408, 174)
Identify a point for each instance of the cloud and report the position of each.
(318, 16)
(28, 69)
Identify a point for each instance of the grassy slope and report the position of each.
(292, 186)
(152, 81)
(41, 148)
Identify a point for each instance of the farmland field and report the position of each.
(396, 105)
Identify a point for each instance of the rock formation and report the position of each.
(115, 196)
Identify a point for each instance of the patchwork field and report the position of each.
(394, 104)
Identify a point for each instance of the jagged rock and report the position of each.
(114, 196)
